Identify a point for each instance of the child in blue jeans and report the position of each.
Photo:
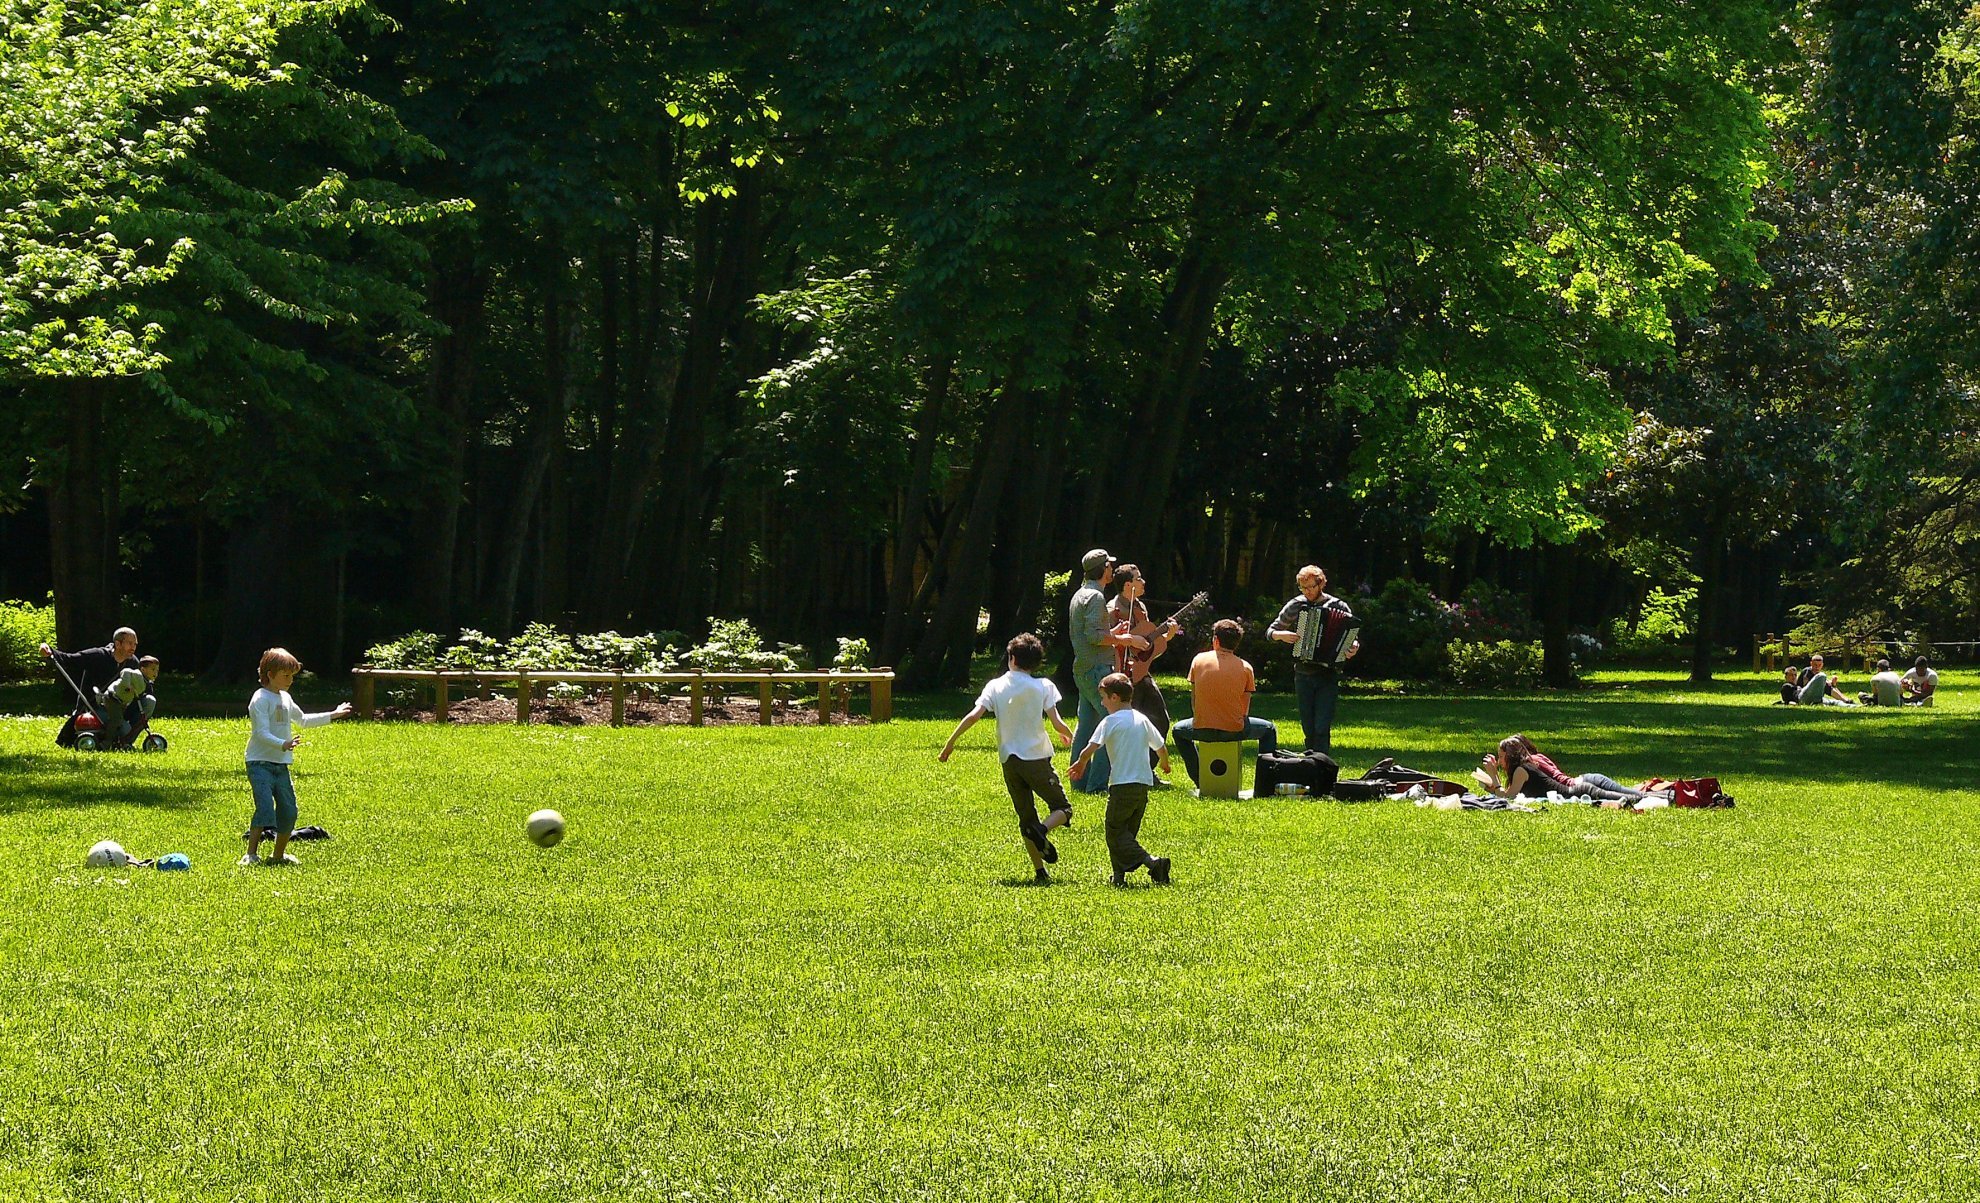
(272, 717)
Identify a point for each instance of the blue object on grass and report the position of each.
(174, 861)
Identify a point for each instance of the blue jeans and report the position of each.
(1187, 736)
(1317, 694)
(1091, 711)
(274, 796)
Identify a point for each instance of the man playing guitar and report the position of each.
(1129, 617)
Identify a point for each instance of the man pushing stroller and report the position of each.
(113, 688)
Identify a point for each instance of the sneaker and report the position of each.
(1158, 870)
(1036, 834)
(287, 858)
(248, 858)
(1120, 879)
(1041, 878)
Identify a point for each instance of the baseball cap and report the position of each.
(107, 854)
(1093, 561)
(174, 862)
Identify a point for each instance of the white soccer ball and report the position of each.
(546, 828)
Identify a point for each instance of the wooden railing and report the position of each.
(834, 688)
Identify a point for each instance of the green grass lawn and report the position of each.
(806, 963)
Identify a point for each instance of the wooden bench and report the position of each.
(834, 688)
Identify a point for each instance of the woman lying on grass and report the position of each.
(1530, 774)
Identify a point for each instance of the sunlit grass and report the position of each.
(801, 964)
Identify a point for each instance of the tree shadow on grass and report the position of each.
(1921, 749)
(69, 781)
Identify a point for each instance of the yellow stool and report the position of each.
(1220, 769)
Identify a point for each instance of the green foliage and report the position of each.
(1499, 664)
(1052, 615)
(1406, 629)
(853, 654)
(417, 650)
(24, 627)
(1662, 627)
(1490, 613)
(732, 646)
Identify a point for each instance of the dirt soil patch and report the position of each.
(741, 710)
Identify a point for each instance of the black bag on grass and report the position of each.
(1314, 770)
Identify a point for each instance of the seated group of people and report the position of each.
(1816, 686)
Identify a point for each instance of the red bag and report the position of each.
(1704, 791)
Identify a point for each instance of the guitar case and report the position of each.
(1314, 770)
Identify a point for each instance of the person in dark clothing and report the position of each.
(93, 669)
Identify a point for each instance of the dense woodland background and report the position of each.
(324, 320)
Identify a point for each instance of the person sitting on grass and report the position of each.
(1886, 687)
(1529, 774)
(271, 748)
(1790, 688)
(1919, 683)
(1127, 736)
(1023, 703)
(1818, 688)
(1220, 689)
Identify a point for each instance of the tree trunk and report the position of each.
(82, 525)
(1556, 658)
(944, 652)
(1711, 582)
(459, 299)
(914, 510)
(1166, 389)
(254, 608)
(560, 331)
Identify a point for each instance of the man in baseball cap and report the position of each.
(1093, 642)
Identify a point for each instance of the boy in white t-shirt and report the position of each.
(1023, 704)
(1128, 737)
(272, 718)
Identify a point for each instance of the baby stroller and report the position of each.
(101, 725)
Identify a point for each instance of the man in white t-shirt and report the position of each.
(1128, 738)
(1023, 704)
(1919, 683)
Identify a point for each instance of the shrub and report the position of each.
(24, 627)
(1405, 630)
(1663, 626)
(419, 650)
(1494, 665)
(1052, 615)
(855, 655)
(472, 650)
(733, 646)
(1489, 613)
(609, 651)
(1585, 649)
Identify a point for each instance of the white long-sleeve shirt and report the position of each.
(272, 717)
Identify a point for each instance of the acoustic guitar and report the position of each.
(1137, 664)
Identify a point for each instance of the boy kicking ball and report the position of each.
(1128, 736)
(1023, 704)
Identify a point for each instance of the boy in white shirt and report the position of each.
(1023, 704)
(1128, 737)
(272, 715)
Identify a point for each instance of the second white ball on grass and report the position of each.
(546, 828)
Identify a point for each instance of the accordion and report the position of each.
(1325, 634)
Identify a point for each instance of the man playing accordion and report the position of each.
(1321, 629)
